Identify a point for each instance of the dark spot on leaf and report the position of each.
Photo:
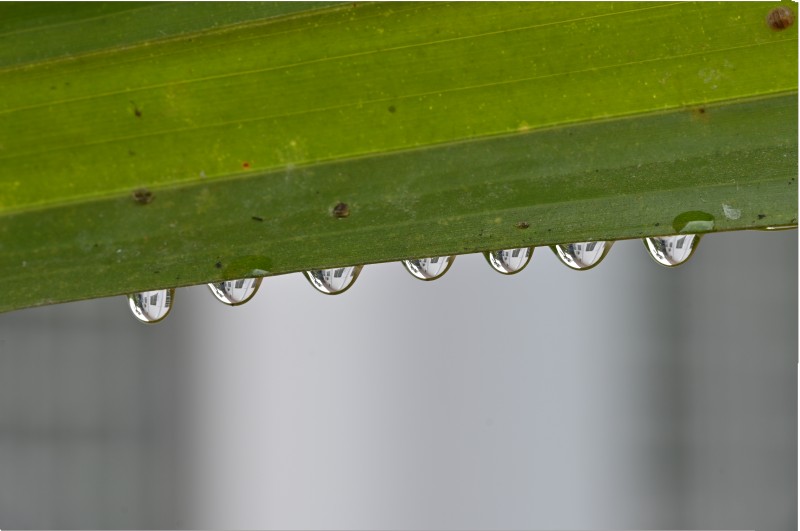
(657, 224)
(156, 271)
(131, 152)
(701, 110)
(780, 18)
(218, 265)
(52, 87)
(522, 224)
(256, 218)
(392, 108)
(143, 196)
(762, 216)
(245, 165)
(341, 210)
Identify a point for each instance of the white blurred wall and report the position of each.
(629, 396)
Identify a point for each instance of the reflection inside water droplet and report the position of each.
(509, 261)
(582, 255)
(671, 251)
(429, 268)
(151, 306)
(333, 281)
(235, 292)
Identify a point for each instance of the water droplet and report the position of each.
(429, 268)
(151, 306)
(582, 255)
(693, 222)
(671, 251)
(235, 292)
(509, 261)
(333, 281)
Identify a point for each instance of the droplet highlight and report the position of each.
(778, 227)
(235, 292)
(333, 281)
(429, 268)
(151, 306)
(671, 251)
(582, 256)
(509, 261)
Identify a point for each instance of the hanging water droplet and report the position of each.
(671, 251)
(582, 255)
(509, 261)
(333, 281)
(151, 306)
(429, 268)
(235, 292)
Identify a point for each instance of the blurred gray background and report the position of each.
(629, 396)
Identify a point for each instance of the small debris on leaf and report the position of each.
(341, 210)
(780, 18)
(143, 196)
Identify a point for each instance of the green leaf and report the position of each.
(198, 150)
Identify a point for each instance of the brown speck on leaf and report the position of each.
(762, 216)
(341, 210)
(143, 196)
(699, 113)
(392, 108)
(256, 218)
(218, 265)
(522, 225)
(246, 165)
(780, 18)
